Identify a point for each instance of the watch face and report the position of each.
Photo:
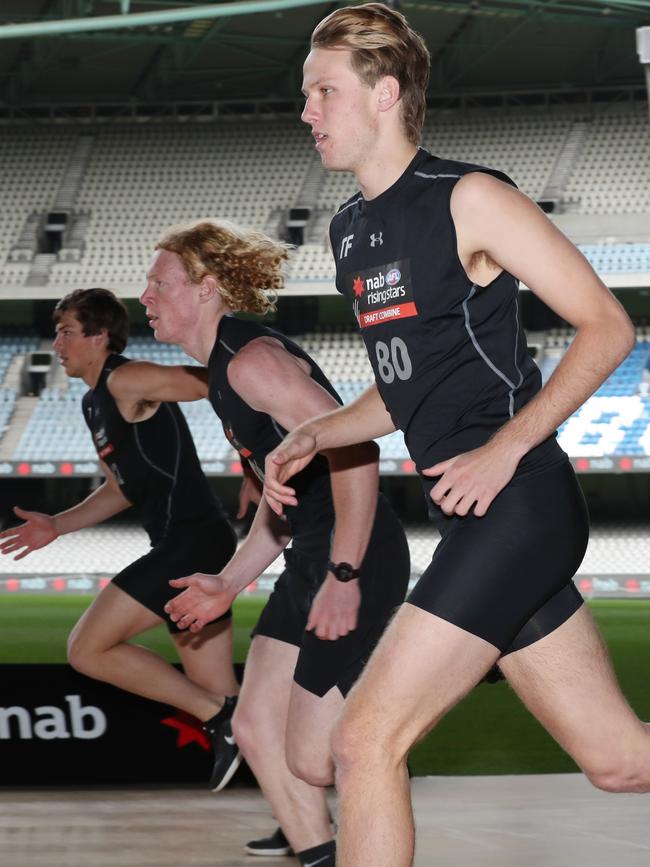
(343, 571)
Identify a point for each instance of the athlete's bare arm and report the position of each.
(250, 492)
(140, 386)
(288, 394)
(206, 597)
(40, 529)
(364, 419)
(500, 228)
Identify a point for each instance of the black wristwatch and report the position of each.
(343, 571)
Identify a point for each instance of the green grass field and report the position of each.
(488, 733)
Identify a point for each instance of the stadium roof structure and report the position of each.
(140, 52)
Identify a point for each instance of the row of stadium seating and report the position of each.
(615, 421)
(32, 164)
(613, 175)
(11, 346)
(139, 179)
(525, 148)
(315, 261)
(310, 262)
(617, 258)
(613, 549)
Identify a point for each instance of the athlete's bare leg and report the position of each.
(422, 666)
(207, 657)
(259, 727)
(98, 647)
(309, 734)
(567, 681)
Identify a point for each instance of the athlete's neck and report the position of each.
(200, 342)
(94, 370)
(381, 169)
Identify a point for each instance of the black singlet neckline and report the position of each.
(373, 204)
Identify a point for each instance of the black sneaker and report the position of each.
(276, 844)
(227, 756)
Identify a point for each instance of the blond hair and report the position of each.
(382, 43)
(246, 264)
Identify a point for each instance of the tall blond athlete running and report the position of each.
(428, 254)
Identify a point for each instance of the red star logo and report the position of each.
(357, 286)
(189, 730)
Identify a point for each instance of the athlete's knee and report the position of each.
(357, 742)
(307, 765)
(623, 766)
(253, 729)
(243, 729)
(86, 656)
(621, 777)
(77, 653)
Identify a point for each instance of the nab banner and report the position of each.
(59, 727)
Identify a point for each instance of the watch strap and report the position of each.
(343, 571)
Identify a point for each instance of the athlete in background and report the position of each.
(148, 458)
(348, 566)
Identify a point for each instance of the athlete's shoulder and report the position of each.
(353, 200)
(345, 211)
(434, 168)
(114, 361)
(257, 339)
(235, 333)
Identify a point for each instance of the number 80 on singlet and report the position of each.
(394, 360)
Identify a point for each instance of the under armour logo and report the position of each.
(376, 239)
(346, 243)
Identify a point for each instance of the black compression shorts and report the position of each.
(324, 664)
(204, 545)
(507, 577)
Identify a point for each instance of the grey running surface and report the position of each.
(508, 821)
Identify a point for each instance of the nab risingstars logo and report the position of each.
(382, 293)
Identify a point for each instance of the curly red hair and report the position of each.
(247, 265)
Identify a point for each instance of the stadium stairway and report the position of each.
(566, 161)
(25, 406)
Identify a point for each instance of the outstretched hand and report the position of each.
(204, 598)
(472, 479)
(37, 532)
(292, 455)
